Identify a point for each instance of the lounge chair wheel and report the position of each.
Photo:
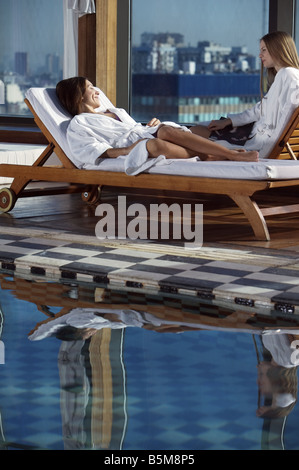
(7, 200)
(92, 195)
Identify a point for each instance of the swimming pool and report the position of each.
(84, 367)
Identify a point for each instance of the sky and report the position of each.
(37, 28)
(227, 22)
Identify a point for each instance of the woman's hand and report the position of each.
(154, 122)
(219, 124)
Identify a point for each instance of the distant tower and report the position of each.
(265, 17)
(2, 93)
(21, 63)
(53, 64)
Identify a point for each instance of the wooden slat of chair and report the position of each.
(240, 191)
(287, 146)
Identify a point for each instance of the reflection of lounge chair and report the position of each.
(237, 180)
(187, 313)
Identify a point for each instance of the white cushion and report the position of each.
(56, 119)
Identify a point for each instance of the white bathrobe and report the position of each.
(272, 114)
(90, 135)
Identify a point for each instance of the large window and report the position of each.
(296, 24)
(194, 60)
(31, 49)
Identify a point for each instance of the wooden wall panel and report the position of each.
(87, 47)
(106, 47)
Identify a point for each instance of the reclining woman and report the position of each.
(95, 133)
(266, 120)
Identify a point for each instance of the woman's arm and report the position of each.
(117, 152)
(252, 114)
(154, 122)
(219, 124)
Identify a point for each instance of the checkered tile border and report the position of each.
(250, 284)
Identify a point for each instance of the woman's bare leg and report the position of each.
(203, 131)
(200, 145)
(156, 147)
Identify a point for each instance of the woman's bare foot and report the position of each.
(211, 158)
(239, 156)
(251, 156)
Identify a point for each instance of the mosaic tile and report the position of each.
(122, 259)
(132, 274)
(4, 241)
(144, 254)
(18, 250)
(189, 282)
(77, 251)
(183, 259)
(10, 237)
(54, 255)
(50, 242)
(281, 278)
(261, 283)
(250, 291)
(222, 271)
(249, 268)
(172, 265)
(212, 276)
(39, 259)
(211, 271)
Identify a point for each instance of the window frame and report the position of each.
(111, 60)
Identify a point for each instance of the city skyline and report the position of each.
(217, 21)
(32, 39)
(36, 26)
(31, 26)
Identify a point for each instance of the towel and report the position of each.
(138, 160)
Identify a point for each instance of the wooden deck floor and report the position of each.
(223, 222)
(54, 237)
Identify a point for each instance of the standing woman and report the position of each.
(279, 58)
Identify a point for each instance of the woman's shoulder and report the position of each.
(77, 123)
(83, 118)
(75, 120)
(288, 72)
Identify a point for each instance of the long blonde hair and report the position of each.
(282, 49)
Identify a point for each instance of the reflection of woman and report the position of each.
(90, 355)
(279, 57)
(94, 132)
(278, 386)
(277, 375)
(82, 323)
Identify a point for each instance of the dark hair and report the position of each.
(69, 333)
(70, 92)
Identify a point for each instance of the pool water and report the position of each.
(84, 367)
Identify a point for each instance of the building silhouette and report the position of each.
(21, 63)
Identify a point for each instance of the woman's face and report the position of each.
(91, 96)
(266, 58)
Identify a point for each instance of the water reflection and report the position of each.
(90, 324)
(277, 384)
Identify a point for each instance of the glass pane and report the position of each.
(296, 38)
(194, 60)
(31, 49)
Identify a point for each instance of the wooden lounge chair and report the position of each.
(287, 146)
(239, 189)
